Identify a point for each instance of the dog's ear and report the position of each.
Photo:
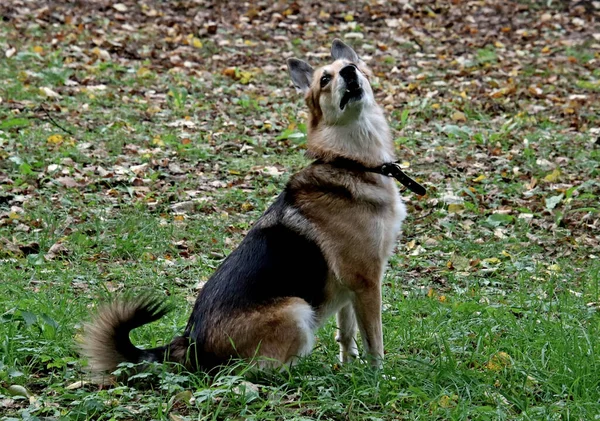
(339, 50)
(301, 73)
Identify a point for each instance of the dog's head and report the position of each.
(337, 93)
(344, 119)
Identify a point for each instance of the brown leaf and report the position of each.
(58, 249)
(67, 182)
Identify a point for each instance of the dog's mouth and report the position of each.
(353, 93)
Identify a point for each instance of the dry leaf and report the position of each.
(49, 92)
(120, 7)
(67, 182)
(553, 176)
(459, 116)
(58, 249)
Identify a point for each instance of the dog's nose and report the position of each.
(348, 72)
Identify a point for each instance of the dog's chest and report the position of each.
(386, 226)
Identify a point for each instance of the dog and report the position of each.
(320, 249)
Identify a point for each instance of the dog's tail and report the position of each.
(106, 341)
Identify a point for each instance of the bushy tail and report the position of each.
(106, 341)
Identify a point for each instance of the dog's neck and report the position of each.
(365, 140)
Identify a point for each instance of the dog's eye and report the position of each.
(325, 80)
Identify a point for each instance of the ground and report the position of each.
(140, 140)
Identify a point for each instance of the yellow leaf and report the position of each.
(196, 43)
(498, 44)
(498, 361)
(38, 49)
(435, 106)
(491, 260)
(324, 15)
(505, 253)
(349, 17)
(143, 72)
(446, 401)
(459, 116)
(479, 179)
(431, 293)
(455, 208)
(177, 218)
(545, 50)
(553, 176)
(247, 207)
(153, 109)
(158, 141)
(442, 298)
(554, 268)
(55, 139)
(245, 77)
(463, 95)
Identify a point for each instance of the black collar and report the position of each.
(389, 169)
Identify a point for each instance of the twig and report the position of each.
(54, 121)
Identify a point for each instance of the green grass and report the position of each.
(491, 298)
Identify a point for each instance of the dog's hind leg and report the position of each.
(273, 335)
(346, 335)
(294, 336)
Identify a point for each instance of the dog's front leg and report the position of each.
(367, 306)
(346, 335)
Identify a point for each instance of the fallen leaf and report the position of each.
(459, 116)
(553, 176)
(49, 92)
(77, 385)
(55, 139)
(498, 361)
(551, 202)
(138, 169)
(67, 182)
(455, 208)
(120, 7)
(58, 249)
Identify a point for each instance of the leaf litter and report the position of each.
(494, 104)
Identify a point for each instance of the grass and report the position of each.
(142, 176)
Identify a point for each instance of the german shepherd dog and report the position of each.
(321, 248)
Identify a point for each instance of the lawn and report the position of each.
(140, 140)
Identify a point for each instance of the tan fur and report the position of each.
(276, 333)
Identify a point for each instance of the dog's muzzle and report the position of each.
(353, 90)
